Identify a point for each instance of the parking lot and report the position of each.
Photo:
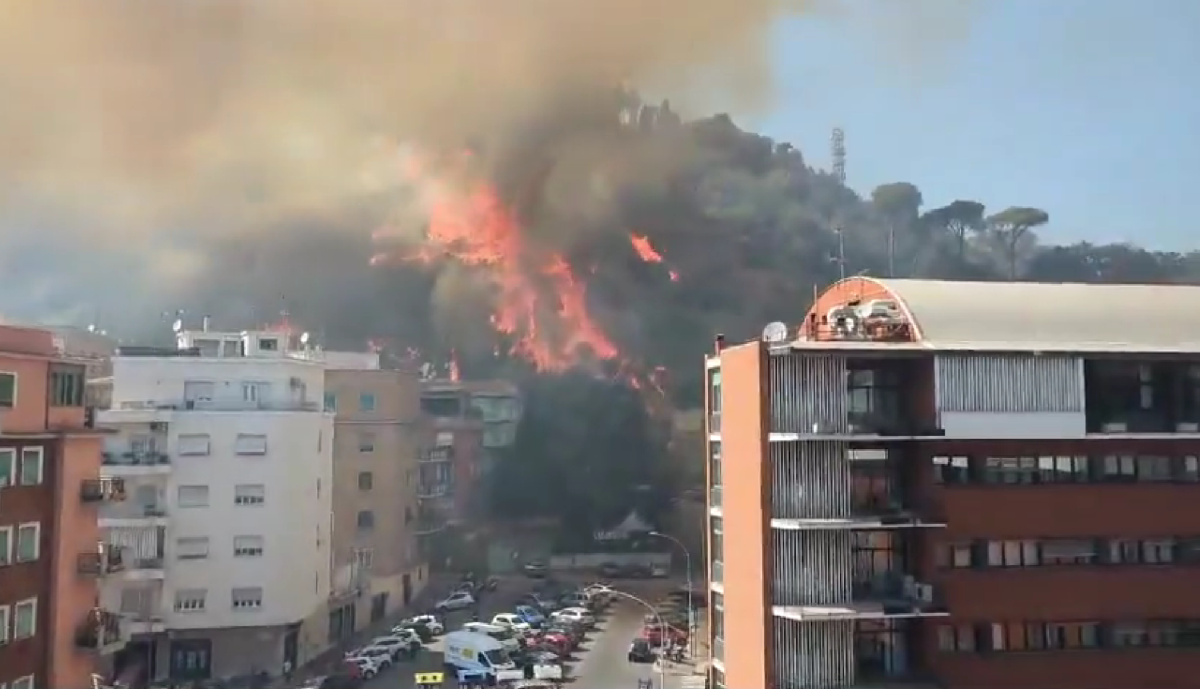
(600, 663)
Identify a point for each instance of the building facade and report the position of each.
(376, 445)
(975, 485)
(51, 632)
(225, 455)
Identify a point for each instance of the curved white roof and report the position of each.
(1051, 316)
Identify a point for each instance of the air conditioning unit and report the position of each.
(925, 593)
(1187, 427)
(1115, 427)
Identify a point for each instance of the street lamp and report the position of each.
(662, 629)
(687, 557)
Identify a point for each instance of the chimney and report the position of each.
(719, 344)
(205, 322)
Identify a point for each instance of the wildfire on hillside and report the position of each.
(538, 303)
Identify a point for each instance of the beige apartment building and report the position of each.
(376, 443)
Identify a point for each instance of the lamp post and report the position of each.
(662, 630)
(687, 557)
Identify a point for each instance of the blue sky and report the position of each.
(1089, 109)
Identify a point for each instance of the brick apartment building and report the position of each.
(51, 630)
(962, 485)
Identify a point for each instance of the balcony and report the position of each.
(137, 514)
(897, 594)
(105, 560)
(97, 490)
(432, 491)
(136, 463)
(881, 512)
(101, 632)
(146, 568)
(436, 455)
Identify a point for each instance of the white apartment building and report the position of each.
(225, 536)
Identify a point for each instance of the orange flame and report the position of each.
(646, 251)
(474, 228)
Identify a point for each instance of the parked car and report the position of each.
(661, 635)
(511, 620)
(431, 622)
(560, 643)
(423, 633)
(640, 651)
(364, 667)
(578, 615)
(459, 600)
(612, 570)
(382, 655)
(530, 615)
(536, 569)
(405, 642)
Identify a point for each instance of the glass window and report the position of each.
(366, 402)
(330, 401)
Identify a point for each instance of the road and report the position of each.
(601, 663)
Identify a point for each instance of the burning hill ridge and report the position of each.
(538, 302)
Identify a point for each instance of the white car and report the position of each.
(397, 643)
(577, 615)
(367, 666)
(459, 600)
(380, 655)
(512, 621)
(430, 622)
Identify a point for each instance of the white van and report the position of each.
(502, 634)
(475, 655)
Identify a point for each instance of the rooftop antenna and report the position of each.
(837, 146)
(840, 259)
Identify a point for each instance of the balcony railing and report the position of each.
(108, 559)
(899, 592)
(135, 511)
(135, 459)
(102, 490)
(433, 491)
(100, 631)
(146, 563)
(436, 455)
(231, 404)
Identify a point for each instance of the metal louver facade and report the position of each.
(808, 393)
(813, 654)
(1018, 383)
(811, 480)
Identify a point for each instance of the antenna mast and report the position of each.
(837, 145)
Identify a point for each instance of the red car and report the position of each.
(561, 643)
(653, 633)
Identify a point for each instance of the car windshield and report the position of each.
(501, 634)
(497, 657)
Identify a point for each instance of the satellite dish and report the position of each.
(775, 333)
(177, 325)
(304, 338)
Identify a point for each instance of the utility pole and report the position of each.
(841, 252)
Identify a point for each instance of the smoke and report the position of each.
(160, 141)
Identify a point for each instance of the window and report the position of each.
(8, 390)
(249, 494)
(140, 601)
(366, 520)
(248, 598)
(29, 541)
(364, 558)
(330, 401)
(195, 445)
(1154, 469)
(1064, 469)
(191, 548)
(1158, 552)
(190, 600)
(8, 466)
(250, 444)
(25, 619)
(6, 545)
(31, 466)
(365, 480)
(25, 682)
(5, 623)
(366, 442)
(1013, 554)
(1128, 551)
(1069, 552)
(193, 496)
(1188, 469)
(956, 556)
(951, 470)
(714, 463)
(1072, 635)
(256, 392)
(1010, 470)
(66, 385)
(198, 394)
(366, 401)
(247, 546)
(956, 637)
